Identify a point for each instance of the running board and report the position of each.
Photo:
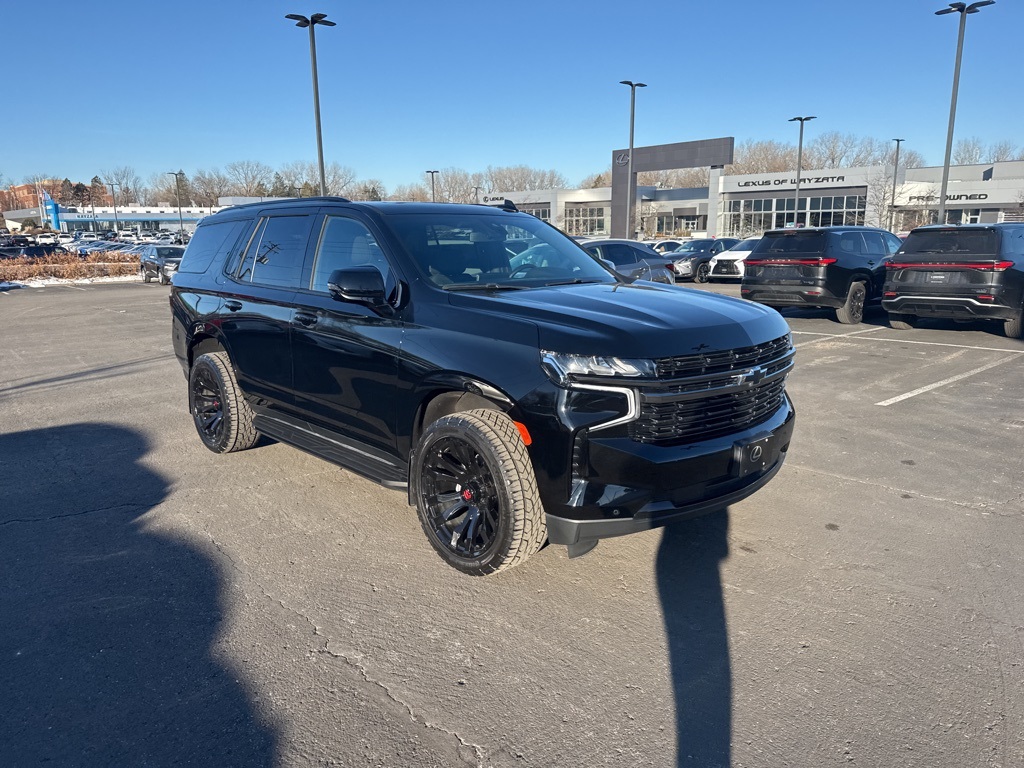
(357, 457)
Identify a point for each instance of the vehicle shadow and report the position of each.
(690, 588)
(107, 630)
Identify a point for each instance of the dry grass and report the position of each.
(69, 266)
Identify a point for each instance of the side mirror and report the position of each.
(360, 285)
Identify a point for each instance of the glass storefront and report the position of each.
(754, 215)
(584, 220)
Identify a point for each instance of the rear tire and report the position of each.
(852, 312)
(476, 493)
(222, 417)
(902, 322)
(1014, 328)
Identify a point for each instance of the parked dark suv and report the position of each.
(967, 272)
(159, 261)
(517, 403)
(842, 268)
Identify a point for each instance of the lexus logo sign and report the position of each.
(622, 158)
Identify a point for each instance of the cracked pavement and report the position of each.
(165, 605)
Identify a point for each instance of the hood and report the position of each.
(639, 320)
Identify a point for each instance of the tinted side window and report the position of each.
(208, 241)
(849, 243)
(874, 245)
(346, 243)
(1013, 241)
(892, 244)
(276, 252)
(620, 254)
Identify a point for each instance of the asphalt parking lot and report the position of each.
(163, 604)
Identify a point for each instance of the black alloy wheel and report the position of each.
(222, 417)
(462, 501)
(703, 274)
(852, 312)
(476, 493)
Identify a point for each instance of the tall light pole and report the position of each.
(113, 198)
(476, 194)
(630, 193)
(963, 10)
(895, 168)
(177, 193)
(433, 196)
(311, 22)
(799, 167)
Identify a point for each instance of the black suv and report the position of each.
(159, 261)
(966, 272)
(517, 402)
(838, 267)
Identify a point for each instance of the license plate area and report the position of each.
(754, 455)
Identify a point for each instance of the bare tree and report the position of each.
(209, 186)
(249, 178)
(413, 192)
(1001, 151)
(299, 173)
(129, 186)
(967, 151)
(595, 180)
(369, 189)
(518, 178)
(762, 157)
(455, 185)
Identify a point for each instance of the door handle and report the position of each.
(234, 306)
(305, 319)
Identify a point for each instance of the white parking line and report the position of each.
(888, 339)
(826, 336)
(944, 382)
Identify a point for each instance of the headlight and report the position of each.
(561, 367)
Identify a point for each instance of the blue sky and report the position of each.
(411, 85)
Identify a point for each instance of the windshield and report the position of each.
(463, 251)
(170, 253)
(746, 245)
(959, 243)
(694, 246)
(791, 242)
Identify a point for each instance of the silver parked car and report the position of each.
(632, 259)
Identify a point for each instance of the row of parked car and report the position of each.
(964, 272)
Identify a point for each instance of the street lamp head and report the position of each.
(631, 84)
(964, 8)
(300, 21)
(801, 119)
(320, 18)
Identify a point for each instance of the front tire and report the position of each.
(163, 278)
(852, 312)
(145, 275)
(703, 274)
(222, 417)
(476, 493)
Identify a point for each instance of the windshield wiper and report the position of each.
(574, 281)
(485, 287)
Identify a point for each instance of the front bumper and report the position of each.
(624, 486)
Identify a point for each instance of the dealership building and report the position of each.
(737, 206)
